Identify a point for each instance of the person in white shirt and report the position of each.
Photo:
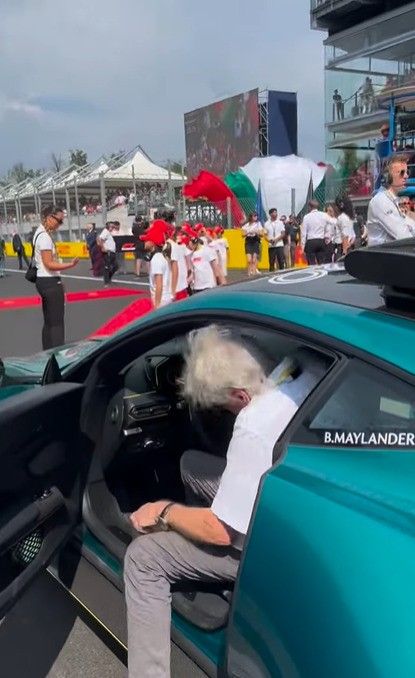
(222, 248)
(181, 256)
(385, 220)
(206, 273)
(331, 233)
(252, 232)
(160, 264)
(107, 245)
(345, 222)
(314, 230)
(204, 539)
(275, 233)
(48, 280)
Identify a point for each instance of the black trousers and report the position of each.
(315, 251)
(21, 254)
(276, 254)
(53, 307)
(110, 266)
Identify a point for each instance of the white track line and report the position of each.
(85, 277)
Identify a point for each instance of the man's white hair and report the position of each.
(215, 364)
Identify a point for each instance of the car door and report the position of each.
(326, 583)
(43, 461)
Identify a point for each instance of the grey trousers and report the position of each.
(154, 562)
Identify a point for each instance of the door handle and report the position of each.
(30, 517)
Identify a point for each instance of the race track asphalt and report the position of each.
(20, 328)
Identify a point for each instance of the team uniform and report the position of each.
(110, 265)
(180, 254)
(385, 221)
(159, 265)
(203, 275)
(313, 234)
(222, 246)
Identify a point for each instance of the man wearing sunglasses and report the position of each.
(386, 221)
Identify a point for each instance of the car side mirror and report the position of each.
(52, 373)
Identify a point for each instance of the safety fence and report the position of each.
(237, 257)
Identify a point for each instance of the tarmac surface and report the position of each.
(21, 323)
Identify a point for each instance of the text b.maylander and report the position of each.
(384, 439)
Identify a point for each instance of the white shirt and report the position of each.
(108, 240)
(314, 226)
(332, 229)
(254, 229)
(257, 428)
(273, 230)
(159, 265)
(203, 276)
(222, 247)
(385, 221)
(44, 242)
(179, 254)
(345, 226)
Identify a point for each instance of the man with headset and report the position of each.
(385, 220)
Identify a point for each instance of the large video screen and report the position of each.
(223, 136)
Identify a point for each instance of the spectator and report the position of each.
(106, 243)
(274, 233)
(18, 247)
(331, 233)
(338, 106)
(345, 221)
(2, 256)
(293, 232)
(138, 229)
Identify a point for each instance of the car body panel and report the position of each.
(330, 592)
(367, 331)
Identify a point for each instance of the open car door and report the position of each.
(43, 458)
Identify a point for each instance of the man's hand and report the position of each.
(146, 516)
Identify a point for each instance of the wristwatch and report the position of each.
(161, 521)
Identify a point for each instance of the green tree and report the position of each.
(78, 157)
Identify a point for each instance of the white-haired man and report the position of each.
(203, 542)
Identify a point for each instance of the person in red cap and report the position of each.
(180, 255)
(222, 248)
(160, 264)
(206, 272)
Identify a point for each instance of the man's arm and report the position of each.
(174, 276)
(197, 524)
(303, 231)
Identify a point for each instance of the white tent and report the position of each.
(144, 170)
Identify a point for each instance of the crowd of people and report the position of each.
(179, 260)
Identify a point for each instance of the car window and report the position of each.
(367, 407)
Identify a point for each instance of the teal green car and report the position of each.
(326, 582)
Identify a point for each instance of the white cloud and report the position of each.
(142, 65)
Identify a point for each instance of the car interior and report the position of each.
(134, 412)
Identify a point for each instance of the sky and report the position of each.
(103, 75)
